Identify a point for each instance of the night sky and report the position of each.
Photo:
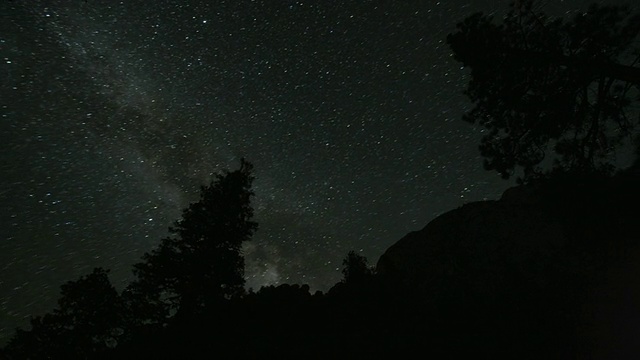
(114, 113)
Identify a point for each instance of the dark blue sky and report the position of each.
(113, 115)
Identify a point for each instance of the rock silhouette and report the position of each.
(548, 266)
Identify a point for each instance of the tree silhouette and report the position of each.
(92, 309)
(89, 320)
(543, 85)
(202, 262)
(42, 341)
(355, 268)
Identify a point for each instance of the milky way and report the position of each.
(113, 115)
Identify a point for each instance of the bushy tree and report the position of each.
(355, 268)
(550, 89)
(88, 321)
(202, 262)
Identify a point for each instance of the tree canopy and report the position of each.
(552, 94)
(202, 262)
(89, 319)
(355, 268)
(198, 267)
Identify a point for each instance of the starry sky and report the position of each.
(113, 113)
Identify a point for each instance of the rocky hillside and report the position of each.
(558, 261)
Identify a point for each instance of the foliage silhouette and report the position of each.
(355, 268)
(202, 264)
(87, 322)
(543, 85)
